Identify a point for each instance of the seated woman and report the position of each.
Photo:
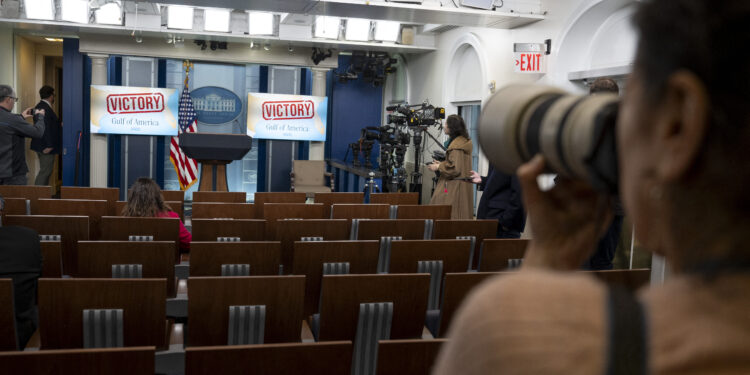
(452, 187)
(145, 200)
(683, 135)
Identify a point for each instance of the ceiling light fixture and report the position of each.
(39, 9)
(56, 40)
(327, 27)
(108, 14)
(216, 20)
(260, 23)
(180, 17)
(74, 11)
(387, 31)
(357, 29)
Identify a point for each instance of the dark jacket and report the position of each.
(52, 132)
(21, 260)
(13, 129)
(502, 200)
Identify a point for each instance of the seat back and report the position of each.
(360, 211)
(395, 198)
(220, 196)
(309, 258)
(343, 294)
(412, 229)
(373, 324)
(455, 288)
(276, 197)
(329, 199)
(143, 302)
(209, 299)
(245, 229)
(413, 211)
(111, 195)
(17, 206)
(119, 361)
(324, 358)
(8, 336)
(480, 229)
(70, 228)
(273, 212)
(496, 253)
(406, 253)
(94, 209)
(206, 258)
(120, 228)
(211, 210)
(32, 193)
(52, 256)
(630, 279)
(290, 231)
(309, 172)
(417, 357)
(96, 258)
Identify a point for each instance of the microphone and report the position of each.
(391, 108)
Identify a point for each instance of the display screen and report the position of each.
(288, 117)
(134, 110)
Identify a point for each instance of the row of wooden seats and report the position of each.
(77, 228)
(395, 357)
(144, 318)
(96, 258)
(210, 210)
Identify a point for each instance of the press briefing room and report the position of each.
(380, 187)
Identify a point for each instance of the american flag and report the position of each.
(187, 168)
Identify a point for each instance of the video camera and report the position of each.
(423, 114)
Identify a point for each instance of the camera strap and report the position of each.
(627, 348)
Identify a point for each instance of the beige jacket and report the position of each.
(457, 193)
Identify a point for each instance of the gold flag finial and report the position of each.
(187, 64)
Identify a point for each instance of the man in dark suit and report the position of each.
(21, 260)
(49, 146)
(501, 200)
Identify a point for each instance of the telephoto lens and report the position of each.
(575, 134)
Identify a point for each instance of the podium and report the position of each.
(214, 151)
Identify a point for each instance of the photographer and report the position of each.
(682, 135)
(452, 187)
(13, 129)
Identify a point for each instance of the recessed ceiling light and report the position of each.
(260, 23)
(56, 40)
(387, 31)
(216, 19)
(357, 29)
(327, 27)
(74, 11)
(180, 17)
(39, 9)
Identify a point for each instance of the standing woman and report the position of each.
(145, 200)
(452, 187)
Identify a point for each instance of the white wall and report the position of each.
(585, 34)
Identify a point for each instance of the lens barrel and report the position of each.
(575, 134)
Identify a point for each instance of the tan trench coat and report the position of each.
(457, 193)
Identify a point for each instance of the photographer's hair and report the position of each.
(604, 85)
(6, 91)
(145, 199)
(46, 91)
(456, 127)
(701, 37)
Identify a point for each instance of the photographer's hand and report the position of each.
(566, 221)
(434, 166)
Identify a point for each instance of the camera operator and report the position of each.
(13, 129)
(682, 138)
(452, 187)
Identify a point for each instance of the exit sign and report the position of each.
(529, 62)
(529, 57)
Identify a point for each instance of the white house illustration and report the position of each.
(214, 103)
